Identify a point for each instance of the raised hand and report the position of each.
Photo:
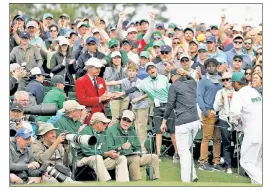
(121, 15)
(152, 15)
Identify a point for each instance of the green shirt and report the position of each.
(66, 123)
(116, 136)
(155, 88)
(55, 95)
(101, 145)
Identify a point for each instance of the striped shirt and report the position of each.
(155, 88)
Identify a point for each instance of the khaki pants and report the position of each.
(116, 106)
(119, 164)
(151, 106)
(141, 125)
(135, 162)
(209, 131)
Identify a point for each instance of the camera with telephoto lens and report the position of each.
(44, 109)
(13, 126)
(86, 140)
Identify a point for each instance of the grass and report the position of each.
(170, 176)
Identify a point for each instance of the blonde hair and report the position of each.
(132, 66)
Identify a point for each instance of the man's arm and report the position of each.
(38, 57)
(149, 32)
(200, 96)
(171, 102)
(119, 26)
(113, 83)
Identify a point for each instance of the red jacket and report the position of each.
(86, 94)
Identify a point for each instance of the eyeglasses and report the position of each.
(227, 80)
(247, 43)
(165, 53)
(126, 120)
(63, 18)
(248, 73)
(259, 53)
(184, 60)
(91, 44)
(176, 42)
(236, 60)
(238, 42)
(53, 31)
(114, 46)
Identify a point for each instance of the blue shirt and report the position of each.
(142, 73)
(206, 92)
(218, 55)
(246, 58)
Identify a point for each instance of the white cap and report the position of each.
(184, 55)
(131, 29)
(115, 53)
(71, 105)
(31, 24)
(237, 28)
(63, 41)
(95, 30)
(81, 24)
(94, 62)
(35, 71)
(13, 67)
(238, 36)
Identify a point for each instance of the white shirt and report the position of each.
(134, 57)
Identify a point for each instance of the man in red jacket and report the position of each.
(91, 90)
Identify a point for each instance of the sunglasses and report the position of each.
(227, 80)
(236, 60)
(201, 51)
(114, 46)
(165, 53)
(259, 53)
(248, 73)
(247, 43)
(53, 31)
(126, 120)
(156, 38)
(238, 42)
(91, 44)
(176, 42)
(63, 18)
(185, 60)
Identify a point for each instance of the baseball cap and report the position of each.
(63, 41)
(195, 42)
(158, 43)
(37, 71)
(184, 55)
(149, 64)
(214, 26)
(69, 33)
(237, 28)
(143, 20)
(71, 105)
(238, 36)
(129, 23)
(126, 41)
(202, 47)
(160, 25)
(113, 42)
(115, 53)
(91, 39)
(178, 27)
(200, 28)
(128, 114)
(166, 48)
(144, 54)
(211, 39)
(47, 15)
(238, 56)
(31, 24)
(94, 62)
(156, 33)
(64, 15)
(44, 128)
(237, 76)
(172, 25)
(95, 30)
(14, 66)
(24, 133)
(226, 75)
(131, 29)
(114, 27)
(19, 17)
(99, 117)
(221, 59)
(188, 29)
(80, 24)
(57, 79)
(16, 107)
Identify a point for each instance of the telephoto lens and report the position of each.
(56, 174)
(86, 140)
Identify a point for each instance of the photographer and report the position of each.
(107, 159)
(48, 148)
(23, 168)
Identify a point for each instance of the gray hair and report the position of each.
(18, 94)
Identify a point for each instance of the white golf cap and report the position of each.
(94, 62)
(115, 53)
(237, 28)
(131, 29)
(35, 71)
(63, 41)
(238, 36)
(13, 67)
(95, 30)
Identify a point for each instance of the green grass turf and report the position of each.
(170, 176)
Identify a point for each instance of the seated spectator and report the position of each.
(123, 136)
(16, 73)
(105, 158)
(22, 97)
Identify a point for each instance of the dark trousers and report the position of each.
(226, 142)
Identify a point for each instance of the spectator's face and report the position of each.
(115, 47)
(258, 70)
(19, 22)
(144, 26)
(157, 50)
(227, 83)
(83, 30)
(214, 31)
(248, 44)
(188, 35)
(138, 27)
(61, 86)
(166, 56)
(53, 32)
(113, 34)
(132, 73)
(97, 35)
(221, 67)
(76, 114)
(143, 60)
(253, 35)
(152, 71)
(100, 126)
(259, 53)
(94, 71)
(211, 68)
(210, 46)
(171, 35)
(32, 31)
(202, 54)
(64, 47)
(63, 19)
(256, 80)
(116, 60)
(161, 30)
(49, 21)
(92, 46)
(132, 36)
(23, 100)
(40, 78)
(237, 63)
(176, 42)
(73, 38)
(207, 34)
(24, 41)
(16, 114)
(50, 137)
(126, 47)
(248, 74)
(23, 143)
(102, 25)
(238, 43)
(193, 47)
(236, 86)
(185, 62)
(125, 123)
